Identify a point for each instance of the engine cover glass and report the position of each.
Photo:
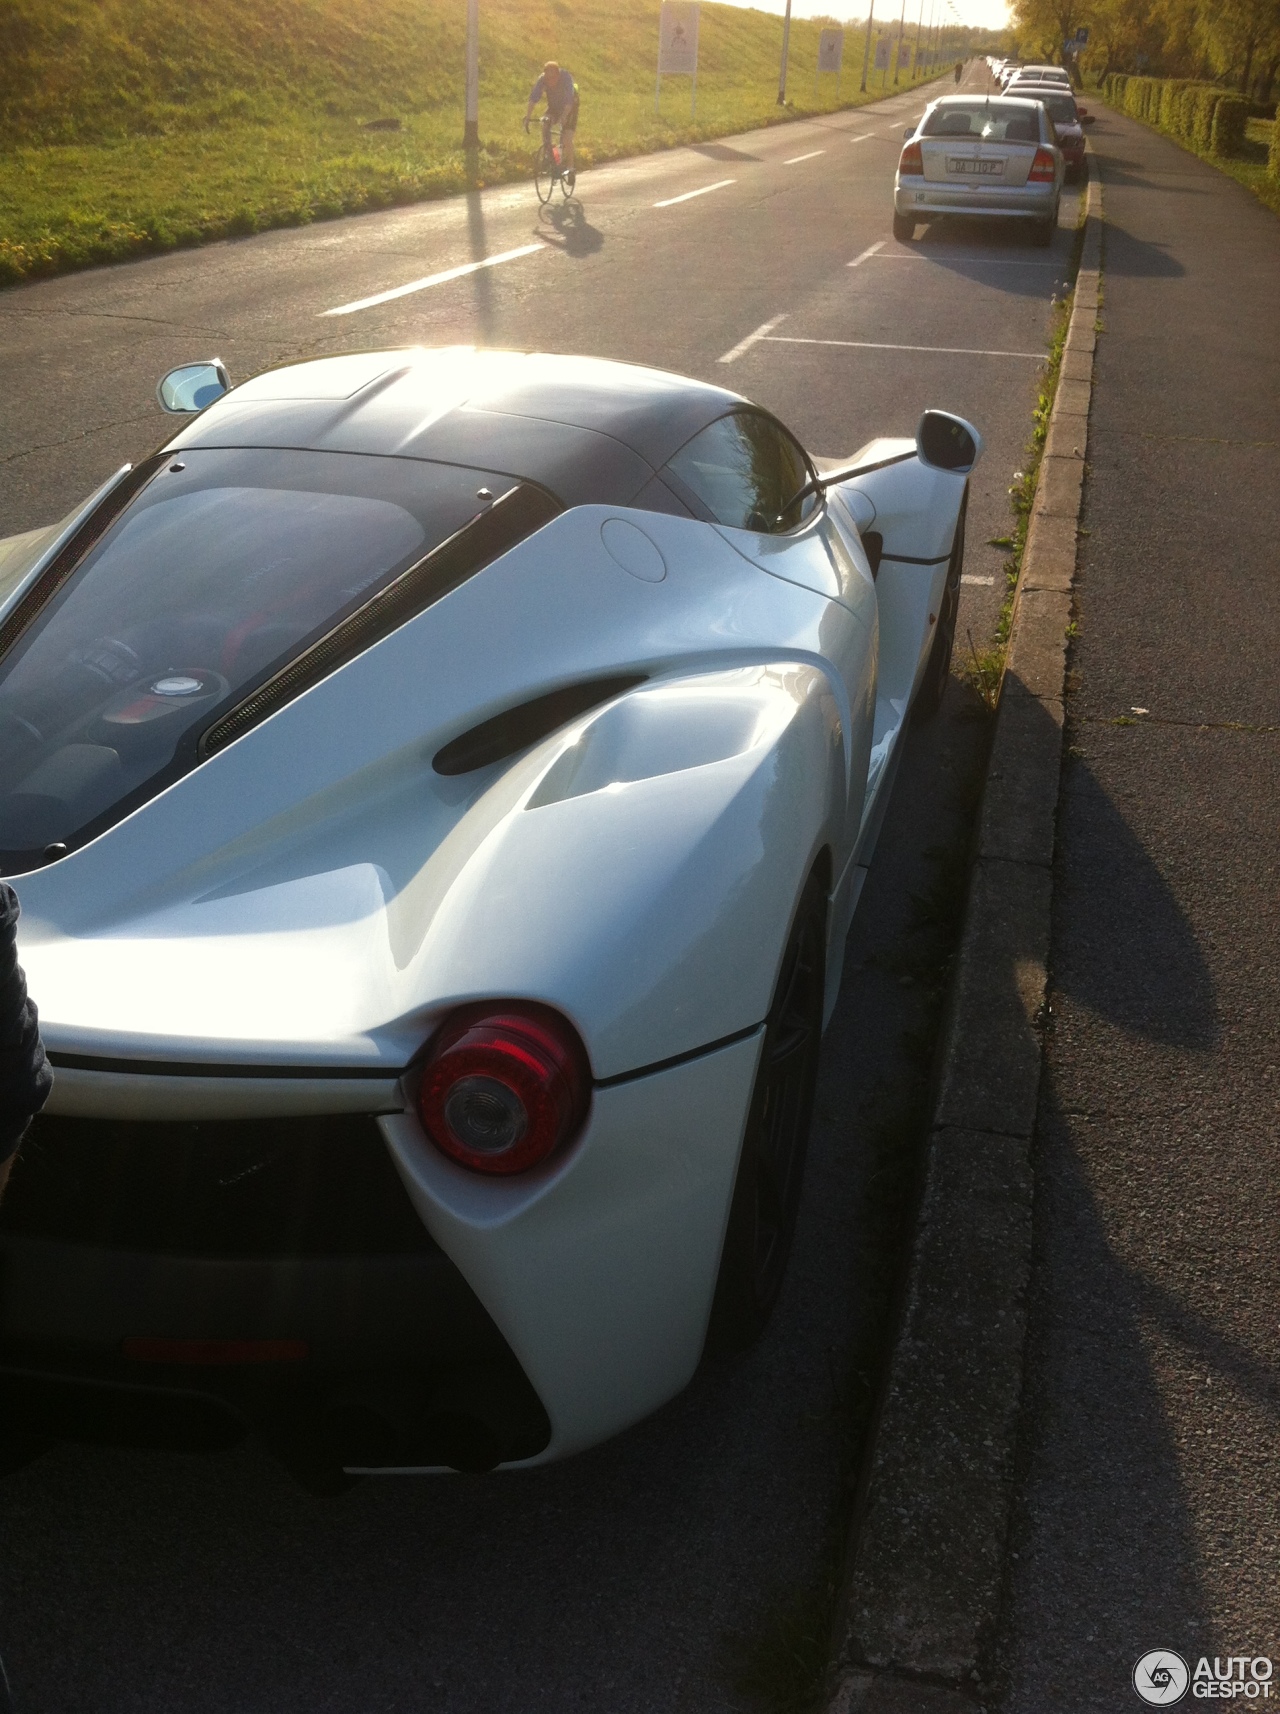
(222, 569)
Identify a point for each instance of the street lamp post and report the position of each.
(866, 52)
(897, 64)
(471, 128)
(786, 43)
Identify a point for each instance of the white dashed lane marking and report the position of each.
(811, 156)
(762, 332)
(434, 280)
(670, 201)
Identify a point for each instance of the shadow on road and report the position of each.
(1106, 1561)
(1132, 957)
(570, 230)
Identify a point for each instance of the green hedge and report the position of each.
(1204, 115)
(1228, 126)
(1273, 157)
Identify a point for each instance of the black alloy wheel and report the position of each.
(934, 683)
(766, 1193)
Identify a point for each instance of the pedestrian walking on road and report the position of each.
(25, 1077)
(959, 70)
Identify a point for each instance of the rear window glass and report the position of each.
(1061, 108)
(746, 470)
(990, 121)
(224, 567)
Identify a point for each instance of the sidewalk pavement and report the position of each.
(1148, 1504)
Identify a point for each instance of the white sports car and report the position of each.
(438, 785)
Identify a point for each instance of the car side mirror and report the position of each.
(909, 133)
(189, 389)
(947, 442)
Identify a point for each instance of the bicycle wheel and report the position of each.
(544, 168)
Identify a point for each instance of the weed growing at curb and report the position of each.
(983, 669)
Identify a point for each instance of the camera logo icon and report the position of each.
(1161, 1677)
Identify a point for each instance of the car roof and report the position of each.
(973, 100)
(587, 428)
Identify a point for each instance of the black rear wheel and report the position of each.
(904, 228)
(934, 683)
(766, 1194)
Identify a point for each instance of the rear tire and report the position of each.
(934, 683)
(904, 228)
(1042, 232)
(766, 1193)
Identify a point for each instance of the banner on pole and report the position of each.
(678, 39)
(831, 50)
(882, 54)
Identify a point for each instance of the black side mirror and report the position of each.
(947, 442)
(189, 389)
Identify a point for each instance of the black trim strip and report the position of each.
(189, 1068)
(334, 1073)
(520, 512)
(906, 559)
(681, 1058)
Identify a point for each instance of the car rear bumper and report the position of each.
(182, 1281)
(923, 198)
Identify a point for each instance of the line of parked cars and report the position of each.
(1005, 153)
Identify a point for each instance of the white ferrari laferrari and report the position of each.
(438, 785)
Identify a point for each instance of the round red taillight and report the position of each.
(501, 1090)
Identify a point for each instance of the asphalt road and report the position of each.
(1149, 1511)
(680, 1567)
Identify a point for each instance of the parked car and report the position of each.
(1065, 114)
(1036, 74)
(438, 785)
(980, 155)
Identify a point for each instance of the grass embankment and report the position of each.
(136, 125)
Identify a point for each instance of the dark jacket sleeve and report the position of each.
(25, 1076)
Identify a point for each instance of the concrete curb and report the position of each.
(926, 1555)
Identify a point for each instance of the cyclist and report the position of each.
(559, 90)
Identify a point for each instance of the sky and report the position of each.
(988, 14)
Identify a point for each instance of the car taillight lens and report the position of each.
(911, 160)
(502, 1089)
(1042, 168)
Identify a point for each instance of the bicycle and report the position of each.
(547, 173)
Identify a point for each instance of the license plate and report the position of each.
(980, 169)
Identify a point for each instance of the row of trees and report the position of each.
(1227, 41)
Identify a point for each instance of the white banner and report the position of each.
(831, 50)
(678, 39)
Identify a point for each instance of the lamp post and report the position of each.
(866, 52)
(786, 43)
(471, 128)
(897, 64)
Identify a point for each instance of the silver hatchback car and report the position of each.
(980, 155)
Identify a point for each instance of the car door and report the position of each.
(743, 474)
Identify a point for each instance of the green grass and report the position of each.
(135, 125)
